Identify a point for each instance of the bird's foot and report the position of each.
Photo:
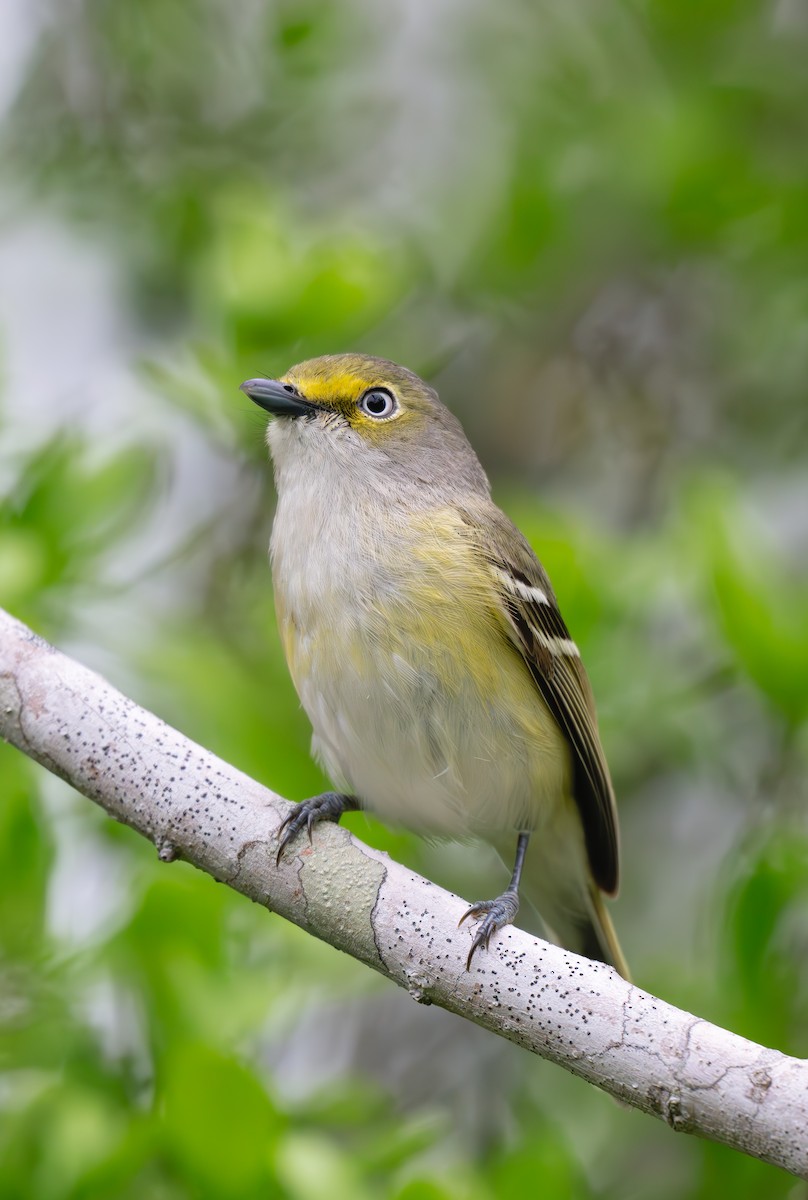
(328, 807)
(492, 915)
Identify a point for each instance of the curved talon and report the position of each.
(493, 915)
(483, 939)
(328, 807)
(289, 828)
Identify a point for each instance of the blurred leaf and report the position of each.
(310, 1166)
(281, 282)
(761, 606)
(218, 1126)
(769, 935)
(62, 516)
(25, 857)
(424, 1189)
(548, 1160)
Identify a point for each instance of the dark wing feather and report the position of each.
(540, 634)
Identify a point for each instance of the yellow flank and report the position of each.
(434, 646)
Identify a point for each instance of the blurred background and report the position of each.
(587, 224)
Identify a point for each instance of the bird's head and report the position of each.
(357, 409)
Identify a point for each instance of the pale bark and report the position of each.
(697, 1077)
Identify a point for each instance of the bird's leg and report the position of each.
(328, 807)
(493, 914)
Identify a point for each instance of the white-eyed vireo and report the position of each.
(426, 645)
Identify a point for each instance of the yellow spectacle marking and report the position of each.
(333, 387)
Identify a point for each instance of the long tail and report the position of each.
(591, 933)
(558, 886)
(600, 940)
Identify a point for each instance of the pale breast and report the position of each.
(419, 705)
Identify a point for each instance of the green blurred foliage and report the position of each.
(586, 223)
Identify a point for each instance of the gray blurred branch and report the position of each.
(695, 1076)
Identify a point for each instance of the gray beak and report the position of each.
(277, 398)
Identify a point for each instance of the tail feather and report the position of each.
(601, 940)
(591, 933)
(574, 913)
(557, 885)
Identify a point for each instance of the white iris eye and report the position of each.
(378, 403)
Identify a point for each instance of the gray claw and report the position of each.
(328, 807)
(492, 915)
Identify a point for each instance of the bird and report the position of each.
(426, 645)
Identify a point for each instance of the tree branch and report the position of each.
(695, 1076)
